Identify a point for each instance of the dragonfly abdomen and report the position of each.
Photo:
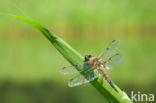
(111, 84)
(107, 78)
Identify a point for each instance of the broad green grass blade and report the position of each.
(74, 58)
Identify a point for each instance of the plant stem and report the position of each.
(73, 57)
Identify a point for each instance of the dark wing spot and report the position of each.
(113, 41)
(71, 79)
(110, 59)
(117, 53)
(107, 48)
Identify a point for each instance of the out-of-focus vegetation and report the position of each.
(29, 65)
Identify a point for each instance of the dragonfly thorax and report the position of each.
(94, 61)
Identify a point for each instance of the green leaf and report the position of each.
(73, 57)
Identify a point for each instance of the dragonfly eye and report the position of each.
(87, 57)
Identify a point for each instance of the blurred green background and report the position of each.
(29, 64)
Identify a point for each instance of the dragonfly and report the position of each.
(92, 67)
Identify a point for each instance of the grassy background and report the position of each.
(29, 65)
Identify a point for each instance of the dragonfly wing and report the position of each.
(74, 69)
(113, 61)
(85, 78)
(109, 51)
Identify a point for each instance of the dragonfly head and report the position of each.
(87, 57)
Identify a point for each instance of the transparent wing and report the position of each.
(113, 61)
(85, 78)
(73, 69)
(109, 51)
